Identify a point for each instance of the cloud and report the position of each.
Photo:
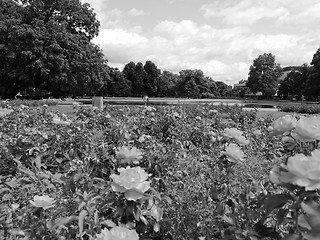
(136, 12)
(246, 12)
(232, 33)
(223, 54)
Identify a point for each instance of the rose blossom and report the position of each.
(308, 128)
(131, 181)
(236, 135)
(301, 170)
(44, 201)
(233, 153)
(126, 155)
(282, 125)
(117, 233)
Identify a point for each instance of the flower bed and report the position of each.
(163, 172)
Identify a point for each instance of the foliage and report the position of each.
(264, 74)
(313, 82)
(301, 108)
(295, 83)
(192, 172)
(46, 45)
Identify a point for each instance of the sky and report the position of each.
(219, 37)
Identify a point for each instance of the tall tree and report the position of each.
(118, 86)
(46, 44)
(166, 84)
(264, 74)
(295, 82)
(134, 75)
(152, 78)
(313, 82)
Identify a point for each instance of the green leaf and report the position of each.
(314, 221)
(313, 235)
(282, 213)
(156, 212)
(292, 237)
(302, 221)
(12, 183)
(82, 215)
(229, 218)
(272, 202)
(141, 227)
(311, 208)
(252, 214)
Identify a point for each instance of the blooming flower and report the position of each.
(117, 233)
(44, 201)
(233, 153)
(300, 170)
(236, 135)
(131, 181)
(282, 125)
(126, 155)
(232, 132)
(308, 128)
(57, 120)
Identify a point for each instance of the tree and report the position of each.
(166, 84)
(264, 74)
(224, 90)
(194, 84)
(135, 75)
(47, 44)
(153, 73)
(313, 82)
(118, 86)
(295, 82)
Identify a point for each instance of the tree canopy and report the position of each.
(313, 82)
(46, 44)
(264, 74)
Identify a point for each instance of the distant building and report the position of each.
(239, 85)
(287, 70)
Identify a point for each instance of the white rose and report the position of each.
(283, 125)
(233, 153)
(236, 135)
(126, 155)
(117, 233)
(308, 128)
(131, 181)
(302, 170)
(44, 201)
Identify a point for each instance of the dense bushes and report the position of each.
(301, 108)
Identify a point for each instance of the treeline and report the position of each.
(137, 80)
(303, 82)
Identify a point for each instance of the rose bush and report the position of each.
(131, 181)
